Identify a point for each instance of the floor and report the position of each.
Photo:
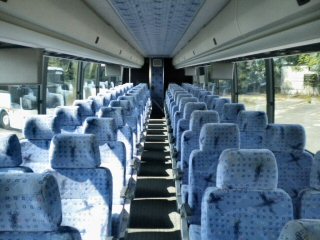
(153, 214)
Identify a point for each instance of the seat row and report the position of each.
(85, 148)
(206, 133)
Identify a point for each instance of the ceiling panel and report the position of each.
(157, 25)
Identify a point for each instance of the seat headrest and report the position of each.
(86, 108)
(301, 229)
(97, 102)
(210, 100)
(219, 136)
(112, 112)
(67, 116)
(32, 202)
(192, 106)
(41, 127)
(128, 98)
(184, 101)
(252, 121)
(10, 151)
(105, 129)
(199, 118)
(285, 137)
(74, 151)
(231, 110)
(254, 169)
(182, 95)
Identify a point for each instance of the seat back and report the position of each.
(246, 203)
(183, 124)
(231, 111)
(112, 152)
(190, 138)
(10, 155)
(86, 109)
(38, 131)
(302, 229)
(31, 208)
(287, 142)
(214, 138)
(85, 188)
(220, 102)
(210, 100)
(252, 125)
(68, 119)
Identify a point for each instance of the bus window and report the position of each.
(62, 77)
(220, 87)
(17, 103)
(297, 89)
(252, 84)
(90, 79)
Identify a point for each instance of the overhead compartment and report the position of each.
(68, 27)
(246, 27)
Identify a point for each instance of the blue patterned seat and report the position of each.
(68, 119)
(210, 100)
(246, 203)
(203, 94)
(97, 103)
(112, 152)
(175, 104)
(86, 108)
(179, 114)
(252, 125)
(183, 124)
(219, 103)
(85, 188)
(190, 142)
(106, 98)
(30, 208)
(38, 132)
(302, 229)
(214, 138)
(287, 142)
(309, 198)
(231, 111)
(10, 155)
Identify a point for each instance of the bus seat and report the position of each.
(31, 208)
(214, 138)
(85, 188)
(210, 100)
(190, 142)
(231, 111)
(10, 155)
(38, 132)
(252, 126)
(68, 119)
(220, 102)
(287, 142)
(86, 109)
(246, 203)
(302, 229)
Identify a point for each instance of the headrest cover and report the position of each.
(30, 202)
(86, 108)
(220, 102)
(105, 129)
(231, 111)
(199, 118)
(191, 106)
(10, 151)
(112, 112)
(67, 116)
(285, 137)
(254, 169)
(315, 172)
(219, 136)
(252, 121)
(40, 127)
(184, 101)
(74, 151)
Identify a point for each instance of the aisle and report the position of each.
(153, 214)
